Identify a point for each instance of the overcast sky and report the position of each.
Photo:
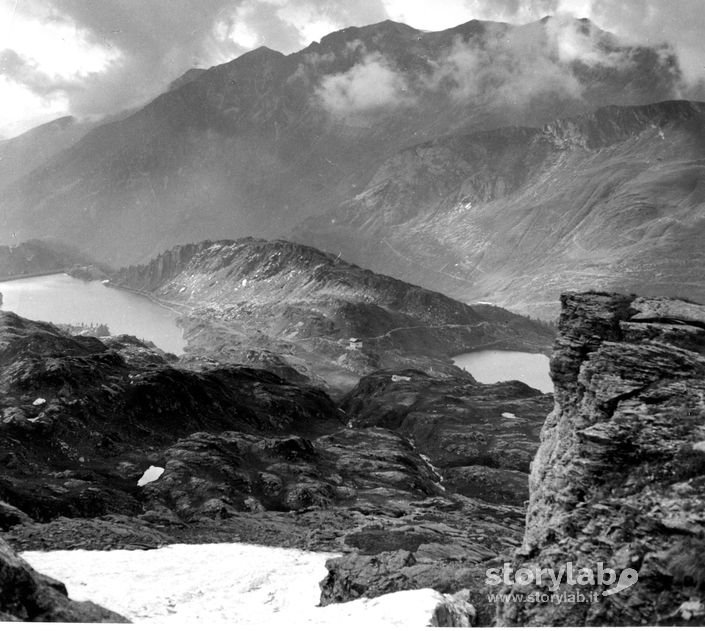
(92, 57)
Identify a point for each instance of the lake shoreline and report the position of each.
(63, 298)
(498, 365)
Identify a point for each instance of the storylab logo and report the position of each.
(599, 577)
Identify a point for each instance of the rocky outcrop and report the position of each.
(218, 475)
(619, 478)
(481, 437)
(27, 596)
(82, 419)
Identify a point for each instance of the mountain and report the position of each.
(310, 315)
(24, 153)
(254, 146)
(613, 199)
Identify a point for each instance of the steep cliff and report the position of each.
(619, 477)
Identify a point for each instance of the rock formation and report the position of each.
(619, 477)
(27, 596)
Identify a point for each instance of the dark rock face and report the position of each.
(619, 477)
(211, 475)
(83, 419)
(27, 596)
(313, 318)
(481, 437)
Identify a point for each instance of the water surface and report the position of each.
(62, 299)
(494, 366)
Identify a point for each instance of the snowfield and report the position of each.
(224, 583)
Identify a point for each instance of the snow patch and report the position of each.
(230, 583)
(396, 378)
(150, 475)
(433, 468)
(508, 415)
(39, 401)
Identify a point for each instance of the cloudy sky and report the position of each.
(92, 57)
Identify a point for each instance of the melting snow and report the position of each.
(39, 401)
(433, 468)
(150, 475)
(508, 415)
(227, 582)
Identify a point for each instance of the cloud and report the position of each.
(509, 66)
(368, 87)
(680, 24)
(26, 72)
(99, 57)
(125, 52)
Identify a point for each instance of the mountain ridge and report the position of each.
(446, 211)
(301, 310)
(255, 145)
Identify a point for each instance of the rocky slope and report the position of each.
(481, 438)
(246, 456)
(309, 315)
(255, 145)
(620, 474)
(27, 596)
(24, 153)
(611, 200)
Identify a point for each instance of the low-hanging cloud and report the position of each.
(368, 87)
(151, 43)
(147, 44)
(507, 66)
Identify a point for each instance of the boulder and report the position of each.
(27, 596)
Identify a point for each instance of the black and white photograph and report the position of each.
(352, 313)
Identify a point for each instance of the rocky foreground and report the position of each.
(419, 480)
(619, 477)
(250, 457)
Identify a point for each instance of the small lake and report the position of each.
(494, 366)
(62, 299)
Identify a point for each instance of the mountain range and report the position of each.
(256, 146)
(614, 199)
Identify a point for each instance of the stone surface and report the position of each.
(617, 478)
(27, 596)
